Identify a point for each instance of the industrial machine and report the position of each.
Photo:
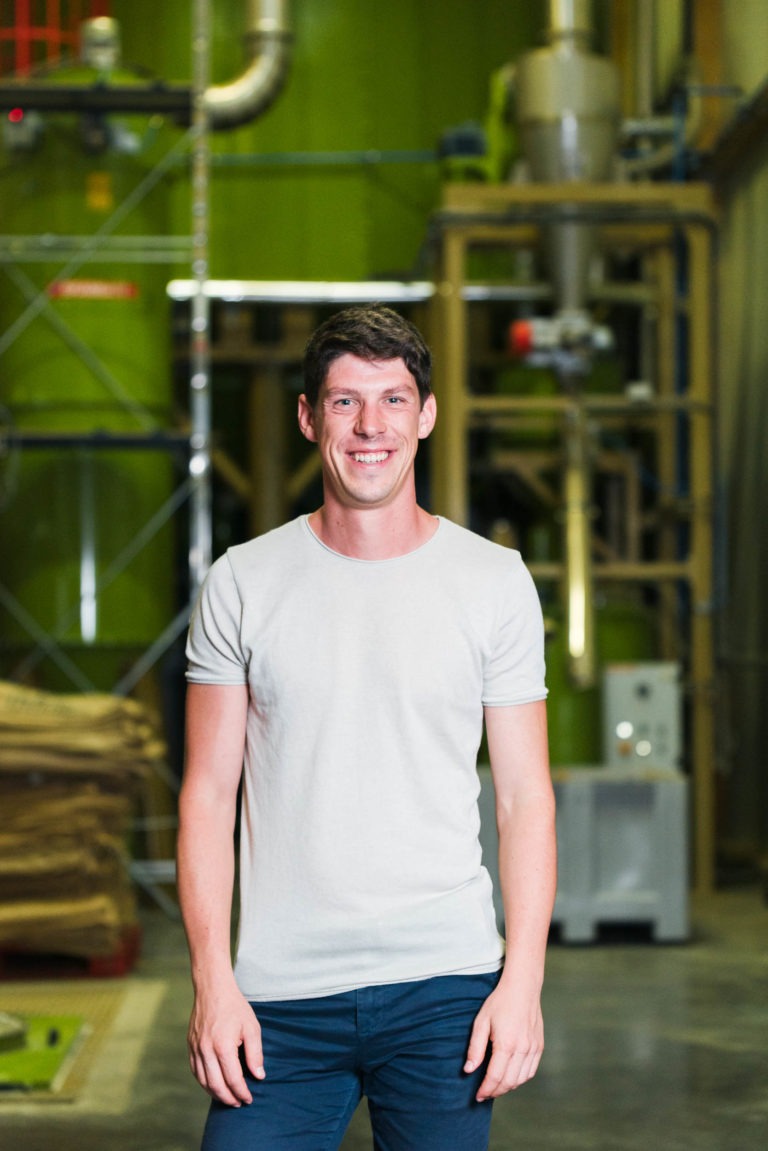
(586, 397)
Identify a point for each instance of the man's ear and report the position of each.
(427, 416)
(307, 420)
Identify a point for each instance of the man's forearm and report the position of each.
(215, 737)
(528, 879)
(205, 874)
(525, 818)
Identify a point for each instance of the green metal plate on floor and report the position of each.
(51, 1041)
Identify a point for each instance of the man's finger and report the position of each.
(222, 1077)
(493, 1076)
(478, 1044)
(234, 1079)
(252, 1051)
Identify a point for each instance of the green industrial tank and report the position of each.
(85, 351)
(624, 631)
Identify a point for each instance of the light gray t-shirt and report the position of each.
(359, 859)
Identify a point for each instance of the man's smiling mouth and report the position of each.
(369, 457)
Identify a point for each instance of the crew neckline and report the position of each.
(357, 560)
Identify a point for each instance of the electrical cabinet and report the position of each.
(642, 719)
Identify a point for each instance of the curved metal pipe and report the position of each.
(268, 38)
(665, 154)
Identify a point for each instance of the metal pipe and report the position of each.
(569, 19)
(645, 30)
(682, 133)
(578, 553)
(647, 572)
(666, 153)
(268, 38)
(165, 100)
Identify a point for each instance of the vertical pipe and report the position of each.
(88, 551)
(450, 451)
(569, 18)
(578, 550)
(664, 373)
(645, 28)
(200, 529)
(702, 686)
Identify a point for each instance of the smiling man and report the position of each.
(342, 667)
(367, 423)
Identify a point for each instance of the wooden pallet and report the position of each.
(16, 964)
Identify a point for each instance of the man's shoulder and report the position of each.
(278, 541)
(474, 548)
(263, 558)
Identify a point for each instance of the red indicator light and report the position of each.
(16, 115)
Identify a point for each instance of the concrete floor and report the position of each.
(648, 1046)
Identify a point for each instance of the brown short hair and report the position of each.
(371, 332)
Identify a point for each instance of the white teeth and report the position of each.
(370, 457)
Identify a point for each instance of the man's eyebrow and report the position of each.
(332, 393)
(392, 390)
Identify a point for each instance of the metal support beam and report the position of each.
(103, 99)
(201, 527)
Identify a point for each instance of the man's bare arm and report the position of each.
(510, 1020)
(221, 1020)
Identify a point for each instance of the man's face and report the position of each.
(367, 423)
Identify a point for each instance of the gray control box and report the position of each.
(642, 715)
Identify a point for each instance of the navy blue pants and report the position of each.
(402, 1045)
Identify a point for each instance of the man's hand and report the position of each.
(513, 1026)
(220, 1024)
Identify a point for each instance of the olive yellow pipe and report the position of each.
(578, 552)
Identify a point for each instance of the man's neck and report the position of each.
(372, 533)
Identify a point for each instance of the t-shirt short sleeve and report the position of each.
(514, 672)
(214, 646)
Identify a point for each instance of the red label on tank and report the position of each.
(93, 290)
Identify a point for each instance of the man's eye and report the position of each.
(395, 399)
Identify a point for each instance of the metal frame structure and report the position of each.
(655, 221)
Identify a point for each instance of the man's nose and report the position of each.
(369, 419)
